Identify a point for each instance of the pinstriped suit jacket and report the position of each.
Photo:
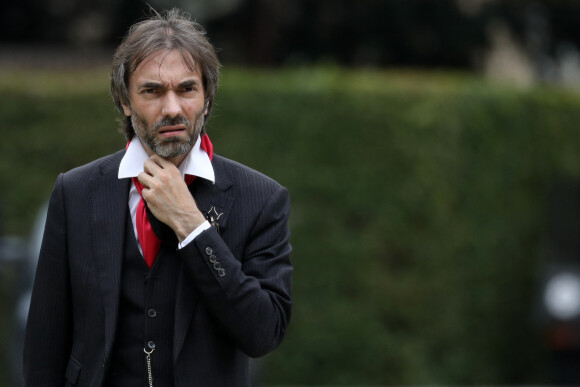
(220, 321)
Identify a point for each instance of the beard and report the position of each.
(172, 146)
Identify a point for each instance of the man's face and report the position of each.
(166, 104)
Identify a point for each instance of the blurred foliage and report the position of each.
(419, 207)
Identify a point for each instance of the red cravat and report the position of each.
(148, 240)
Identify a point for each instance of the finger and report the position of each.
(145, 179)
(157, 165)
(163, 163)
(151, 167)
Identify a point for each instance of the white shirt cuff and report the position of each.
(201, 228)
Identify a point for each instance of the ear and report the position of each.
(206, 107)
(126, 110)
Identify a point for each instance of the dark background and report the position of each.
(371, 33)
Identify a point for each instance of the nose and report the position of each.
(171, 106)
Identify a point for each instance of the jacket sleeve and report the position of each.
(48, 333)
(249, 297)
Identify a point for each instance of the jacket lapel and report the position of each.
(109, 213)
(220, 197)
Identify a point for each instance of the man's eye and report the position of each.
(149, 91)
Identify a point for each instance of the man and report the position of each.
(142, 279)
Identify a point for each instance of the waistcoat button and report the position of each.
(152, 313)
(151, 344)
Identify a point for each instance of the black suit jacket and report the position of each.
(220, 321)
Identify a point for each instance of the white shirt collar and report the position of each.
(196, 163)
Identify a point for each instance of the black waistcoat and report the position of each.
(146, 317)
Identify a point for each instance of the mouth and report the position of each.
(170, 131)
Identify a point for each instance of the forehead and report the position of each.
(166, 66)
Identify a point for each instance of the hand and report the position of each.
(168, 197)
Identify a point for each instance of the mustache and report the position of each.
(179, 120)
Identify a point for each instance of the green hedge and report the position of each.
(419, 207)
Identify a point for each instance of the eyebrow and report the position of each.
(189, 83)
(157, 85)
(150, 85)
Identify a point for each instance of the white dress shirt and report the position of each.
(196, 163)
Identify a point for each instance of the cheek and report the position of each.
(141, 123)
(149, 116)
(190, 112)
(194, 110)
(147, 108)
